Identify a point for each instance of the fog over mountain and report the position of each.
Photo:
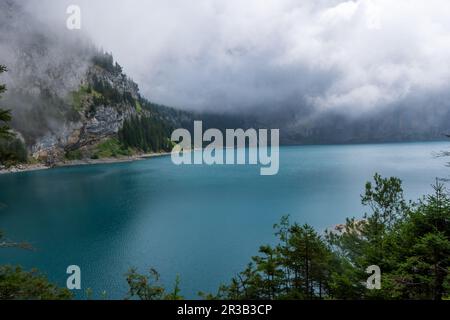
(323, 71)
(44, 66)
(347, 55)
(68, 98)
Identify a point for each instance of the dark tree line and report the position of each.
(12, 149)
(106, 61)
(105, 93)
(17, 284)
(409, 242)
(146, 134)
(5, 115)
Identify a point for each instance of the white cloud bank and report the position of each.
(232, 54)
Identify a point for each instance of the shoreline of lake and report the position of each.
(71, 163)
(201, 222)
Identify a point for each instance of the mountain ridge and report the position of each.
(70, 100)
(66, 96)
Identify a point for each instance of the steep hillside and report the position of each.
(70, 100)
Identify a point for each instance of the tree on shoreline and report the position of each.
(409, 242)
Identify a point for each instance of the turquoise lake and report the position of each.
(201, 222)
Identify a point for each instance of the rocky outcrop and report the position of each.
(98, 118)
(65, 95)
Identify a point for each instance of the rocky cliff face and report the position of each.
(65, 95)
(95, 117)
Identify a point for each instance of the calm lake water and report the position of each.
(203, 223)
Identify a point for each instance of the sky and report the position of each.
(348, 56)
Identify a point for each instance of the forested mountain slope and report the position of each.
(69, 99)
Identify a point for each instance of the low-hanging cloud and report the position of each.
(354, 56)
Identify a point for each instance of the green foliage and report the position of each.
(175, 294)
(299, 267)
(106, 62)
(5, 118)
(77, 97)
(111, 148)
(16, 284)
(422, 249)
(367, 242)
(12, 149)
(138, 106)
(80, 96)
(74, 155)
(104, 93)
(145, 134)
(386, 201)
(410, 243)
(147, 287)
(5, 115)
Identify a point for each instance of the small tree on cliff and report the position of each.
(5, 115)
(12, 149)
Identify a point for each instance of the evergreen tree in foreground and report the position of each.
(409, 242)
(17, 284)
